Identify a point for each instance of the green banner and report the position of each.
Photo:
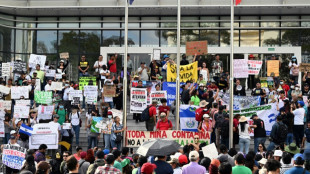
(84, 81)
(94, 122)
(43, 97)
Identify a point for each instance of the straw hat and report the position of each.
(203, 104)
(243, 119)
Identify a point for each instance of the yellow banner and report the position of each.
(187, 72)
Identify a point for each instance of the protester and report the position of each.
(116, 133)
(42, 168)
(259, 131)
(149, 124)
(40, 153)
(193, 166)
(298, 165)
(299, 114)
(108, 167)
(83, 67)
(75, 118)
(278, 133)
(83, 164)
(98, 162)
(73, 165)
(77, 155)
(174, 162)
(163, 123)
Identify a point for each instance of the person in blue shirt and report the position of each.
(162, 166)
(299, 161)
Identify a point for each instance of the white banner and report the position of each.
(138, 100)
(241, 68)
(37, 59)
(254, 66)
(19, 91)
(22, 102)
(158, 95)
(21, 111)
(156, 54)
(2, 128)
(44, 134)
(4, 89)
(4, 104)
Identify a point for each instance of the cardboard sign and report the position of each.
(4, 89)
(56, 86)
(138, 100)
(136, 138)
(44, 133)
(109, 90)
(37, 59)
(196, 47)
(254, 66)
(273, 66)
(5, 105)
(50, 73)
(187, 72)
(241, 68)
(19, 67)
(64, 55)
(6, 69)
(19, 91)
(13, 156)
(158, 95)
(304, 67)
(43, 97)
(21, 111)
(84, 81)
(156, 54)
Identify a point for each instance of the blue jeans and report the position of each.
(111, 104)
(83, 75)
(257, 141)
(244, 144)
(92, 142)
(77, 134)
(289, 138)
(271, 146)
(117, 145)
(107, 141)
(6, 138)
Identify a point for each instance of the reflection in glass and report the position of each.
(25, 24)
(249, 24)
(292, 23)
(290, 37)
(227, 24)
(169, 24)
(46, 41)
(189, 35)
(133, 38)
(111, 38)
(269, 22)
(131, 24)
(270, 37)
(90, 41)
(168, 38)
(185, 21)
(115, 22)
(68, 41)
(72, 24)
(225, 38)
(146, 24)
(24, 41)
(249, 38)
(47, 25)
(209, 24)
(305, 41)
(150, 38)
(305, 23)
(90, 24)
(7, 22)
(7, 39)
(212, 36)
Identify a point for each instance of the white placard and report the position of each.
(22, 102)
(241, 68)
(66, 126)
(45, 112)
(56, 86)
(90, 91)
(37, 59)
(156, 54)
(64, 55)
(1, 128)
(158, 95)
(58, 76)
(19, 91)
(21, 111)
(5, 105)
(138, 100)
(4, 89)
(210, 151)
(255, 66)
(38, 84)
(118, 113)
(6, 69)
(44, 134)
(76, 93)
(50, 73)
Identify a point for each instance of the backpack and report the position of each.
(145, 116)
(295, 71)
(224, 129)
(70, 117)
(219, 119)
(281, 133)
(94, 168)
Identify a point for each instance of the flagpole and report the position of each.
(231, 81)
(178, 68)
(125, 73)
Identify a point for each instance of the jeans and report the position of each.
(83, 75)
(107, 141)
(77, 134)
(110, 104)
(6, 138)
(117, 145)
(298, 131)
(92, 142)
(257, 141)
(271, 146)
(289, 138)
(225, 141)
(244, 144)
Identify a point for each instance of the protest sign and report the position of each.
(118, 113)
(37, 59)
(196, 47)
(156, 54)
(304, 67)
(254, 66)
(138, 100)
(136, 138)
(5, 104)
(94, 127)
(241, 102)
(58, 76)
(64, 55)
(210, 151)
(149, 85)
(241, 68)
(44, 133)
(22, 102)
(76, 93)
(187, 72)
(170, 87)
(56, 86)
(109, 90)
(45, 112)
(75, 101)
(270, 82)
(6, 69)
(66, 125)
(13, 156)
(21, 111)
(4, 89)
(91, 94)
(43, 97)
(50, 73)
(38, 84)
(158, 95)
(2, 131)
(84, 81)
(19, 91)
(263, 82)
(19, 67)
(273, 66)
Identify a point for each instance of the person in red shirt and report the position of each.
(149, 124)
(112, 65)
(235, 129)
(284, 86)
(163, 123)
(164, 108)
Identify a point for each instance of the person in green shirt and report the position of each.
(195, 98)
(40, 74)
(62, 113)
(239, 165)
(118, 160)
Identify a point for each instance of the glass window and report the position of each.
(111, 38)
(24, 57)
(306, 22)
(209, 24)
(189, 35)
(270, 38)
(7, 39)
(111, 22)
(27, 24)
(146, 24)
(49, 22)
(172, 22)
(68, 22)
(225, 38)
(89, 24)
(249, 38)
(150, 38)
(305, 41)
(133, 38)
(290, 37)
(212, 36)
(249, 24)
(6, 57)
(267, 21)
(68, 41)
(130, 23)
(291, 23)
(90, 41)
(189, 21)
(168, 38)
(227, 23)
(24, 41)
(46, 41)
(4, 20)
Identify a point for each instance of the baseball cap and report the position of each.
(148, 168)
(62, 61)
(301, 103)
(166, 56)
(183, 159)
(193, 155)
(106, 151)
(56, 116)
(298, 155)
(83, 154)
(12, 132)
(12, 137)
(206, 116)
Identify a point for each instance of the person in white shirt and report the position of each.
(104, 72)
(244, 136)
(299, 114)
(74, 117)
(99, 64)
(48, 86)
(142, 71)
(55, 121)
(67, 102)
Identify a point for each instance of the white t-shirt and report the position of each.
(100, 63)
(291, 70)
(204, 74)
(244, 134)
(143, 75)
(104, 71)
(58, 125)
(299, 115)
(75, 120)
(48, 87)
(66, 93)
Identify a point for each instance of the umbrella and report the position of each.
(158, 147)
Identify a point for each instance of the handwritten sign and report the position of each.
(273, 66)
(109, 90)
(254, 66)
(5, 105)
(37, 59)
(84, 81)
(64, 55)
(50, 73)
(196, 47)
(76, 93)
(13, 156)
(304, 67)
(44, 133)
(43, 97)
(187, 72)
(45, 112)
(6, 69)
(19, 67)
(4, 89)
(241, 68)
(156, 54)
(19, 91)
(21, 111)
(22, 102)
(56, 86)
(210, 151)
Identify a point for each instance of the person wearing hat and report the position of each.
(148, 168)
(299, 114)
(206, 124)
(278, 133)
(292, 148)
(142, 71)
(62, 67)
(193, 167)
(201, 110)
(299, 161)
(163, 123)
(83, 165)
(174, 162)
(183, 160)
(244, 135)
(278, 155)
(149, 124)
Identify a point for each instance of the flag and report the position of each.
(187, 118)
(25, 129)
(238, 2)
(131, 1)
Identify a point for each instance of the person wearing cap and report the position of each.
(142, 71)
(296, 93)
(163, 123)
(108, 167)
(174, 162)
(206, 124)
(275, 135)
(83, 165)
(61, 68)
(148, 168)
(244, 135)
(299, 161)
(259, 131)
(98, 162)
(239, 89)
(294, 69)
(193, 167)
(277, 155)
(149, 124)
(299, 114)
